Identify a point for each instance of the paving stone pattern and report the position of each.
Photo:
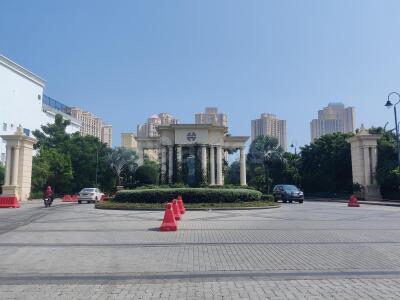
(310, 251)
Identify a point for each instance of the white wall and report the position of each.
(21, 94)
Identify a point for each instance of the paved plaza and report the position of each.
(309, 251)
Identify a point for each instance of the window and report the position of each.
(27, 131)
(4, 126)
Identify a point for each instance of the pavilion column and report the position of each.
(141, 156)
(219, 165)
(367, 167)
(170, 163)
(163, 164)
(15, 166)
(179, 155)
(212, 165)
(7, 179)
(242, 166)
(204, 161)
(373, 162)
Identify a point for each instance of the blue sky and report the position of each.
(125, 60)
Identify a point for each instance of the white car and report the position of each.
(90, 195)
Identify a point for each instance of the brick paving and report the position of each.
(310, 251)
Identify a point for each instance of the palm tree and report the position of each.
(265, 150)
(119, 159)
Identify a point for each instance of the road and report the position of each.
(299, 251)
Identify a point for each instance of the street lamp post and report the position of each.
(97, 161)
(389, 104)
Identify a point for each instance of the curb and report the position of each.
(194, 209)
(393, 204)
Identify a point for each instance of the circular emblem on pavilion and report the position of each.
(191, 136)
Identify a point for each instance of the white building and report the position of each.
(333, 118)
(270, 125)
(52, 107)
(21, 94)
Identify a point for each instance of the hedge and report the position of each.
(267, 197)
(189, 195)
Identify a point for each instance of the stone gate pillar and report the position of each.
(363, 162)
(18, 165)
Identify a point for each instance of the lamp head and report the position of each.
(388, 104)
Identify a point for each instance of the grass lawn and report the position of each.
(235, 205)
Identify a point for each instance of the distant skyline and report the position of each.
(125, 61)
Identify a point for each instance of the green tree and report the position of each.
(232, 174)
(326, 164)
(53, 135)
(40, 173)
(55, 169)
(148, 173)
(70, 161)
(93, 153)
(256, 177)
(265, 151)
(119, 160)
(387, 172)
(286, 170)
(128, 173)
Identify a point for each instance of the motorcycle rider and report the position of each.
(48, 193)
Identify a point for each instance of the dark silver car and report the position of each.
(287, 192)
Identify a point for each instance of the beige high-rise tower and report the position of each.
(270, 125)
(333, 118)
(92, 125)
(149, 130)
(211, 116)
(128, 140)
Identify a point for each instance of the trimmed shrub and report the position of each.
(267, 197)
(189, 195)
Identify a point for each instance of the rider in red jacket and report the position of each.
(49, 193)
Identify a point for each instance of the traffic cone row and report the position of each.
(173, 212)
(70, 198)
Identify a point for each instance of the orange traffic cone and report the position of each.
(169, 223)
(353, 202)
(182, 208)
(175, 208)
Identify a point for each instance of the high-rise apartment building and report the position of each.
(106, 134)
(333, 118)
(92, 125)
(149, 129)
(128, 141)
(270, 125)
(211, 116)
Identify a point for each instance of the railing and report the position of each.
(57, 105)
